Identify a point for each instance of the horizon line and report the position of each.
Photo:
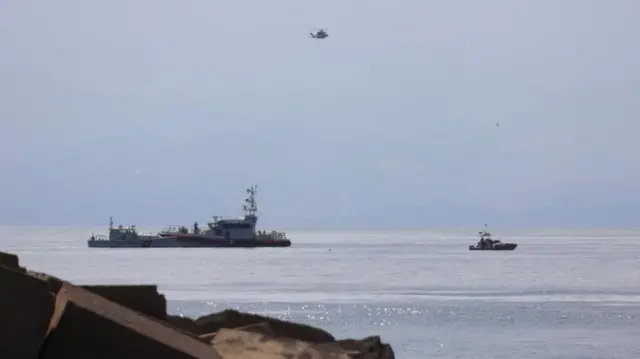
(358, 228)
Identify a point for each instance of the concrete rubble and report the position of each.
(42, 316)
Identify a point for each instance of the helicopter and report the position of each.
(320, 34)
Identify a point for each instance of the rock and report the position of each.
(26, 307)
(42, 316)
(86, 325)
(142, 298)
(183, 323)
(233, 319)
(369, 348)
(260, 328)
(9, 260)
(208, 338)
(238, 344)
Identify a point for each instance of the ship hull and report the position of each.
(187, 241)
(501, 247)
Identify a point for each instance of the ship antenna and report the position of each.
(251, 207)
(110, 222)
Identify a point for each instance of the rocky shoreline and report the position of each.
(42, 316)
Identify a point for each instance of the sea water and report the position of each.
(560, 294)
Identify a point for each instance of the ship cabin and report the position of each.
(243, 228)
(484, 235)
(485, 238)
(233, 228)
(123, 233)
(117, 233)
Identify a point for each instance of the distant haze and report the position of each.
(163, 112)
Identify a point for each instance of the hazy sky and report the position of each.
(162, 112)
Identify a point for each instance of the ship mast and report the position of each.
(250, 207)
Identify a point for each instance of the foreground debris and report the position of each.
(46, 317)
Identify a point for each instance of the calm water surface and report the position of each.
(561, 294)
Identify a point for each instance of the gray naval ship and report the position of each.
(486, 243)
(222, 233)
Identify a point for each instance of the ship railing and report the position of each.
(278, 236)
(271, 236)
(99, 237)
(147, 234)
(171, 229)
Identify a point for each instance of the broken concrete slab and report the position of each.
(26, 308)
(54, 282)
(9, 260)
(86, 325)
(142, 298)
